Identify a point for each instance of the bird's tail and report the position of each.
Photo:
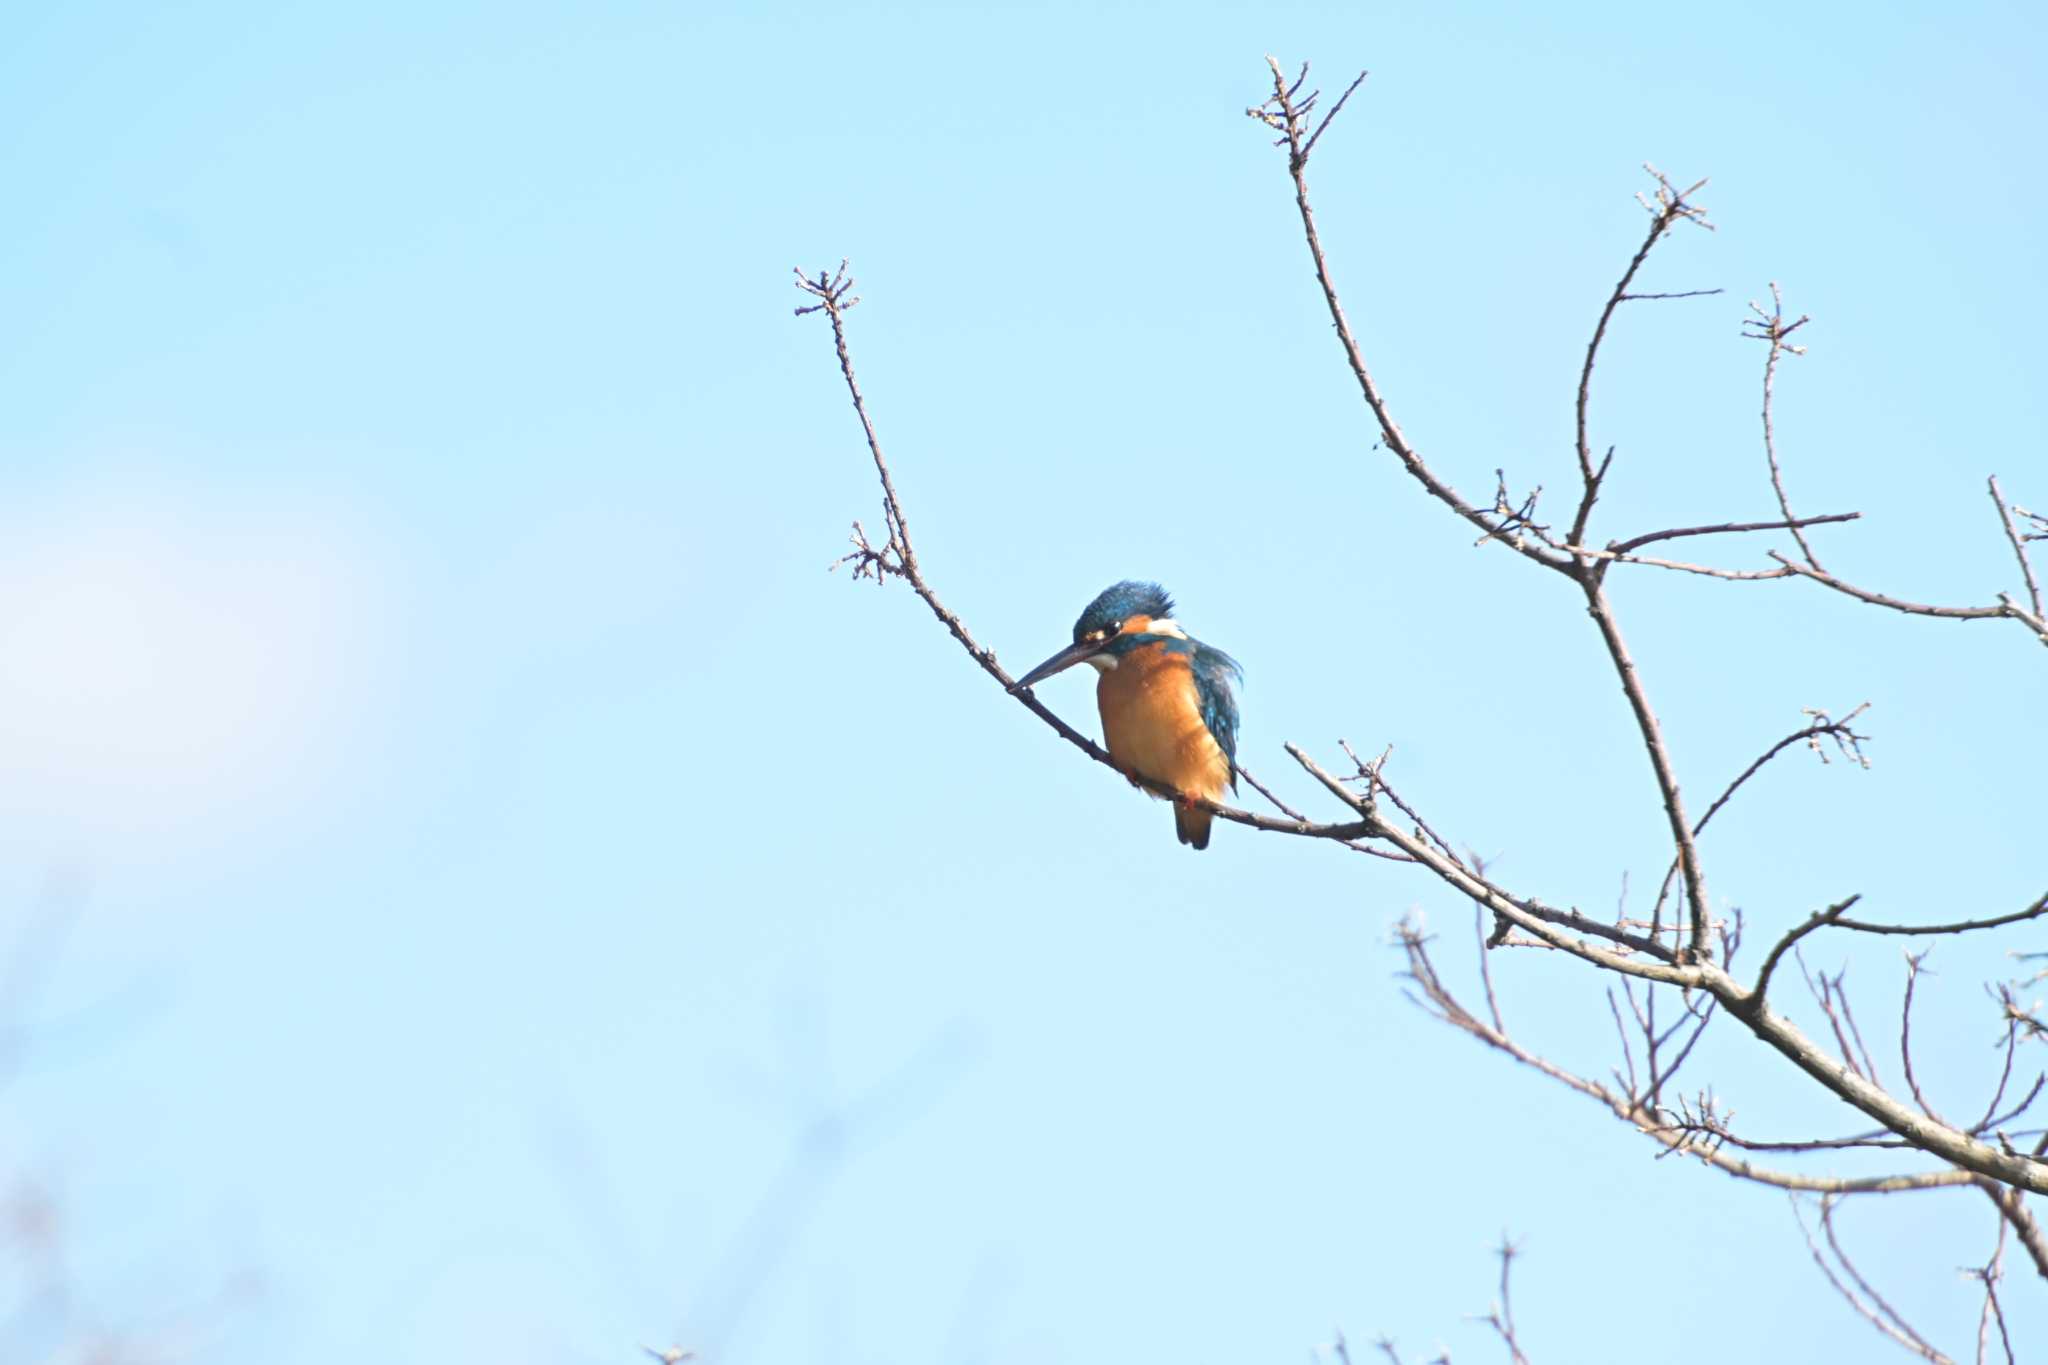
(1192, 825)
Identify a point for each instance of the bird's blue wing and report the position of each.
(1214, 672)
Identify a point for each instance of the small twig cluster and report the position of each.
(1287, 112)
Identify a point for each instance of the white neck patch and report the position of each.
(1166, 625)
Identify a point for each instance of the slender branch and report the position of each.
(1335, 110)
(1873, 1139)
(1289, 811)
(1671, 209)
(1502, 1319)
(2012, 1040)
(1784, 945)
(1877, 1312)
(1914, 966)
(1992, 1272)
(2006, 607)
(1772, 327)
(1728, 528)
(1602, 612)
(2019, 546)
(1823, 728)
(1992, 1123)
(1283, 114)
(1682, 566)
(1964, 926)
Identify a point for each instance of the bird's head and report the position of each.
(1118, 614)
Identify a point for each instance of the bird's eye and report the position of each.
(1115, 628)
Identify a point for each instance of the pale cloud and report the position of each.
(176, 669)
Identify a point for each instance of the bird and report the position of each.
(1168, 712)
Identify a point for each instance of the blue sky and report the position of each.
(518, 906)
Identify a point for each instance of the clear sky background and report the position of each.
(482, 878)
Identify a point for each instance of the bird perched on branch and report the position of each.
(1167, 709)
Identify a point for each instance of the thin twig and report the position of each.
(2006, 608)
(2019, 546)
(1282, 113)
(1964, 926)
(1335, 110)
(1813, 921)
(1878, 1313)
(1913, 969)
(1502, 1319)
(1289, 811)
(1773, 328)
(1671, 208)
(1729, 528)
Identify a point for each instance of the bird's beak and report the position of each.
(1066, 658)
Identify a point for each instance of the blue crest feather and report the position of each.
(1119, 602)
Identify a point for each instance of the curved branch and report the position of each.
(1773, 328)
(1728, 528)
(2018, 543)
(1839, 730)
(1792, 936)
(1877, 1312)
(1961, 926)
(1284, 114)
(1682, 835)
(2006, 608)
(1671, 209)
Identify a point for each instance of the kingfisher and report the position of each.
(1167, 709)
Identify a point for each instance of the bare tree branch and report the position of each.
(1670, 208)
(1283, 114)
(1876, 1311)
(1502, 1318)
(2019, 546)
(1961, 926)
(1728, 528)
(2006, 608)
(1992, 1272)
(1771, 327)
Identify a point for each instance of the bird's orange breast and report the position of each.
(1152, 723)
